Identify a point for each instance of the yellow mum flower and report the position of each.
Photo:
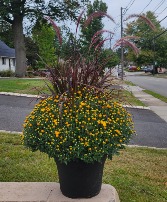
(118, 132)
(57, 133)
(43, 109)
(104, 123)
(55, 121)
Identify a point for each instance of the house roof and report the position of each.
(5, 51)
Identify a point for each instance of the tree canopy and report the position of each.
(95, 25)
(14, 11)
(153, 45)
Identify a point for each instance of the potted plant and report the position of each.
(79, 125)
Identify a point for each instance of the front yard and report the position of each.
(138, 174)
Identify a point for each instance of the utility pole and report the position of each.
(110, 41)
(122, 48)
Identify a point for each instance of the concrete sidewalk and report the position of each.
(48, 192)
(156, 105)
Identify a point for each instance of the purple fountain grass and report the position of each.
(79, 19)
(102, 42)
(144, 18)
(100, 32)
(94, 41)
(124, 41)
(96, 15)
(56, 28)
(75, 75)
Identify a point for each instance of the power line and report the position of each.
(163, 11)
(159, 34)
(159, 5)
(163, 19)
(126, 9)
(146, 6)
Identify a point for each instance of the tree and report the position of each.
(45, 40)
(153, 49)
(14, 11)
(95, 25)
(112, 56)
(6, 33)
(32, 52)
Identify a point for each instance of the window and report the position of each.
(13, 61)
(3, 61)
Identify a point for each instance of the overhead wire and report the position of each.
(159, 5)
(162, 11)
(146, 6)
(128, 7)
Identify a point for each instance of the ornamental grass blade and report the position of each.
(100, 32)
(125, 42)
(94, 41)
(79, 19)
(56, 28)
(96, 15)
(101, 43)
(144, 18)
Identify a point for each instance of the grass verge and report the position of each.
(156, 95)
(138, 174)
(25, 86)
(130, 99)
(129, 83)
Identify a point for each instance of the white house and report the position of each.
(7, 57)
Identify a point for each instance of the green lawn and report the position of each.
(138, 174)
(27, 86)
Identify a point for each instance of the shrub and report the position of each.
(6, 73)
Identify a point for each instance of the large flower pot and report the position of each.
(79, 179)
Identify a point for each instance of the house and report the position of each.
(7, 57)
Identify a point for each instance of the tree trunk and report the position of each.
(19, 45)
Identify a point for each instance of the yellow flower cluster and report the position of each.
(85, 125)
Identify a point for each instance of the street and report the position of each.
(151, 129)
(157, 85)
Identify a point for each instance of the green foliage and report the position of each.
(151, 49)
(86, 126)
(44, 37)
(6, 73)
(32, 52)
(14, 11)
(6, 33)
(94, 26)
(112, 56)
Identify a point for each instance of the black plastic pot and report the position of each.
(79, 179)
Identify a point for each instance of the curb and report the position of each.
(20, 95)
(136, 107)
(147, 147)
(10, 132)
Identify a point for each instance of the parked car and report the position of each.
(42, 72)
(148, 69)
(133, 68)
